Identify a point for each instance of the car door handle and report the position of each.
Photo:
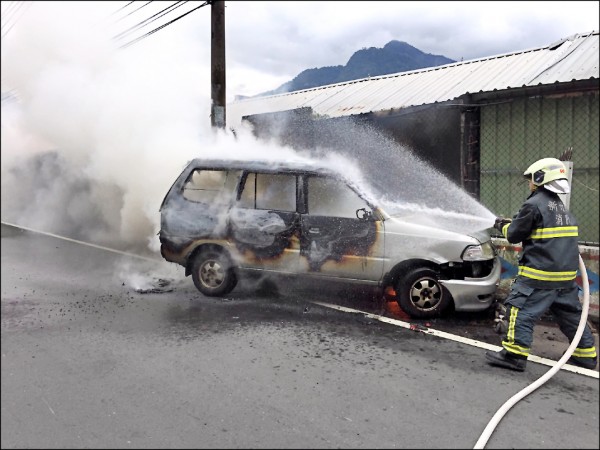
(314, 230)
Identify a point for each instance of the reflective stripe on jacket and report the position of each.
(549, 236)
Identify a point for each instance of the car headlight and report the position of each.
(482, 252)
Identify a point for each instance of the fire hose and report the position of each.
(489, 429)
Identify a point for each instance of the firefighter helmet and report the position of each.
(546, 170)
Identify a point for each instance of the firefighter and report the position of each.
(547, 269)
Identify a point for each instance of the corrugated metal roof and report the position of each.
(572, 58)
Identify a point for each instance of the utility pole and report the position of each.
(217, 60)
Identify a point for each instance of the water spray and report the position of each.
(489, 429)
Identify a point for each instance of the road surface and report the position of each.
(94, 358)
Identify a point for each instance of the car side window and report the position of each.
(211, 186)
(269, 191)
(331, 197)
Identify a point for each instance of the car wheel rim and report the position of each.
(426, 294)
(212, 274)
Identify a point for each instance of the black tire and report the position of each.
(213, 274)
(420, 294)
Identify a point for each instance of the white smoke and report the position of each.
(93, 135)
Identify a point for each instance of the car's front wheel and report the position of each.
(421, 295)
(213, 273)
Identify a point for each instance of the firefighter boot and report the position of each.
(586, 363)
(508, 360)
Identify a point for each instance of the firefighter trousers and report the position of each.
(524, 307)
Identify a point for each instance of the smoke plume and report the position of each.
(93, 135)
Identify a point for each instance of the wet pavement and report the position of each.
(549, 342)
(104, 351)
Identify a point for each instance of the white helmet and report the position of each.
(550, 173)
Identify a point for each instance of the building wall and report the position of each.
(513, 133)
(516, 132)
(433, 133)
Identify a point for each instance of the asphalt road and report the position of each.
(91, 358)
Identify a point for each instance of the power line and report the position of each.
(122, 7)
(15, 11)
(164, 25)
(9, 10)
(137, 9)
(143, 23)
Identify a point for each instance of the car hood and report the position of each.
(454, 227)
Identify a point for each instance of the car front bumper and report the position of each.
(474, 294)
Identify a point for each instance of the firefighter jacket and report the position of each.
(549, 236)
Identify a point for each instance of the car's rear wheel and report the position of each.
(213, 274)
(421, 295)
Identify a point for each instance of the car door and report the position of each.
(196, 204)
(339, 234)
(264, 224)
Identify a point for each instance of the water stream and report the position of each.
(407, 185)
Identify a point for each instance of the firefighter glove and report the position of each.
(500, 223)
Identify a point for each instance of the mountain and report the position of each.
(394, 57)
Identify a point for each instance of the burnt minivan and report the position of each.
(223, 219)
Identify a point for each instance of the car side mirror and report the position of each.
(363, 214)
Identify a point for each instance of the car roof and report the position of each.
(315, 167)
(304, 166)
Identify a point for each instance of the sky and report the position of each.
(96, 123)
(270, 42)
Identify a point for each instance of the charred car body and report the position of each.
(221, 219)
